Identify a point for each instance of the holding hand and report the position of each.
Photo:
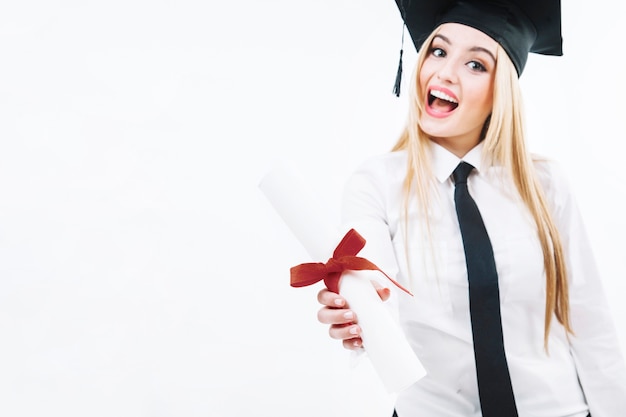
(343, 321)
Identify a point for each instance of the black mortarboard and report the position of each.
(519, 26)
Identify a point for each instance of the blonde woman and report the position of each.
(560, 353)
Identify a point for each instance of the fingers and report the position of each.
(334, 300)
(331, 299)
(342, 320)
(336, 316)
(353, 344)
(345, 332)
(335, 311)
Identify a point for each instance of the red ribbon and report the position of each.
(343, 259)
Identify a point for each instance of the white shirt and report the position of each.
(583, 374)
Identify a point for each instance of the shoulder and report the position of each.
(554, 181)
(549, 172)
(377, 180)
(384, 167)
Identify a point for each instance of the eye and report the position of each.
(476, 66)
(437, 52)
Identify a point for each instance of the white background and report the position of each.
(142, 272)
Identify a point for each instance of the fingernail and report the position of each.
(348, 315)
(339, 301)
(356, 343)
(354, 330)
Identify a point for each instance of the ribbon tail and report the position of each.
(355, 263)
(396, 283)
(307, 274)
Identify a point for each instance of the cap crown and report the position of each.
(519, 26)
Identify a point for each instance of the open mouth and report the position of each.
(441, 102)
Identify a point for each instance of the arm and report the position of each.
(594, 346)
(363, 208)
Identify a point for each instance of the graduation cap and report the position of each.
(519, 26)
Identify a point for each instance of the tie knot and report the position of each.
(461, 172)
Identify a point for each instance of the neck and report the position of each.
(457, 146)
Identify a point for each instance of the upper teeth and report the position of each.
(443, 96)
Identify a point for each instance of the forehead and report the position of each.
(466, 37)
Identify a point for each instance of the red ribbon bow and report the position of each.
(343, 259)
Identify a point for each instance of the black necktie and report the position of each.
(494, 382)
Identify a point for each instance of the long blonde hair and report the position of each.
(504, 144)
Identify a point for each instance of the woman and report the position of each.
(561, 354)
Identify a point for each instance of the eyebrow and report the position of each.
(472, 49)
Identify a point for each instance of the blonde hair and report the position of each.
(504, 144)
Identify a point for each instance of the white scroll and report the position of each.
(390, 353)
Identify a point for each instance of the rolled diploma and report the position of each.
(390, 353)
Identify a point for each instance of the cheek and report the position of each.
(483, 97)
(424, 76)
(421, 85)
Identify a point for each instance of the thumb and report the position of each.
(383, 292)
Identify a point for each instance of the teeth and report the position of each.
(442, 96)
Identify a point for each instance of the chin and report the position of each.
(435, 128)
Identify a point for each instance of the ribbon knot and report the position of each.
(334, 265)
(343, 259)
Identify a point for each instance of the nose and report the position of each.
(447, 71)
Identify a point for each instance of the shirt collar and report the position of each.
(444, 161)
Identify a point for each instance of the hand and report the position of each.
(343, 321)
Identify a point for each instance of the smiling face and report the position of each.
(456, 85)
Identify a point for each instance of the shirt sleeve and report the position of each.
(595, 344)
(364, 208)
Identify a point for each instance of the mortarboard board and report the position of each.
(519, 26)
